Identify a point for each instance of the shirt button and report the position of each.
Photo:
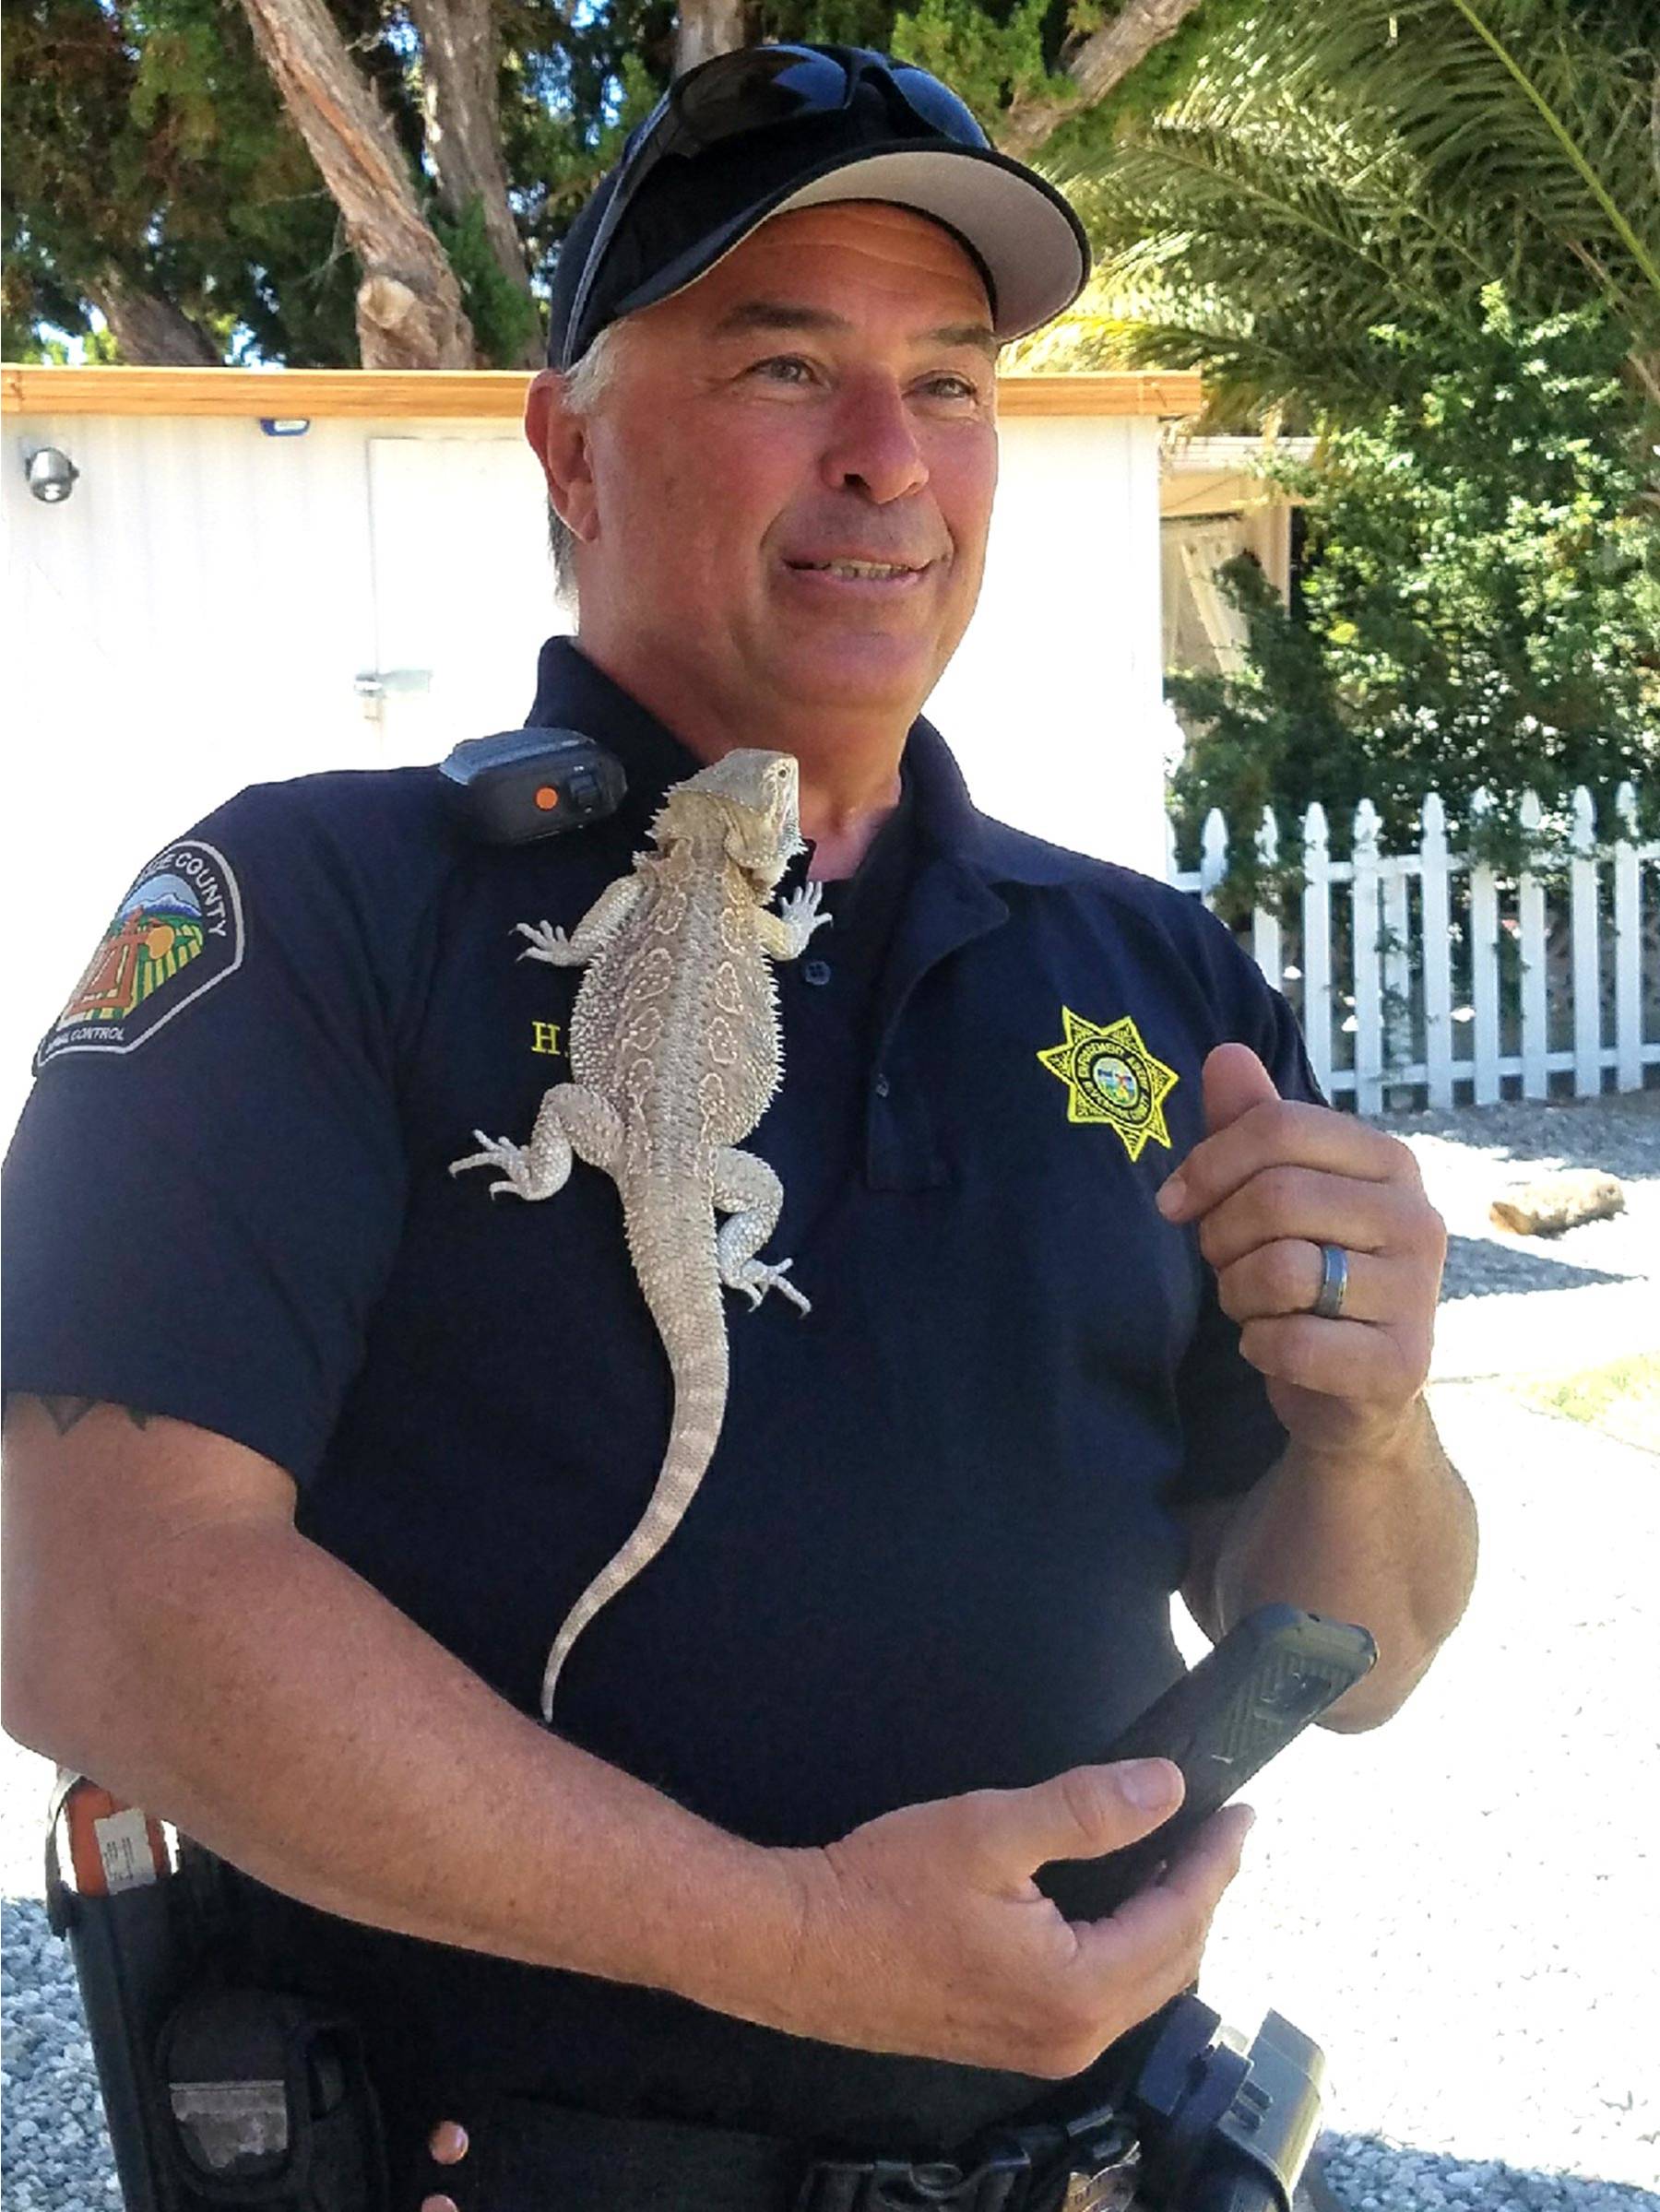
(817, 971)
(881, 1086)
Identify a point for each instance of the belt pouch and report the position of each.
(267, 2102)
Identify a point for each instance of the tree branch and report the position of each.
(705, 27)
(409, 303)
(459, 45)
(1100, 63)
(150, 329)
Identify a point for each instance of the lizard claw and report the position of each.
(801, 910)
(546, 944)
(758, 1278)
(499, 1151)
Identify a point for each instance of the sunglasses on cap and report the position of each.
(759, 89)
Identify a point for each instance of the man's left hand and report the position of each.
(1272, 1181)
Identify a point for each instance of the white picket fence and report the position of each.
(1425, 978)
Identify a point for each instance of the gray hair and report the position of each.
(585, 386)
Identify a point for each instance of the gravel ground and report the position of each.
(1460, 1907)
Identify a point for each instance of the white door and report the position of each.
(463, 590)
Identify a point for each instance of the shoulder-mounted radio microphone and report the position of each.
(524, 784)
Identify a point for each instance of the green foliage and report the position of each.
(145, 136)
(149, 142)
(1482, 597)
(990, 57)
(1315, 171)
(502, 317)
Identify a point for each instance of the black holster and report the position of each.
(216, 2093)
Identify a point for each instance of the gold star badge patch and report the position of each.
(1110, 1076)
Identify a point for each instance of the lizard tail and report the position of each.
(683, 1295)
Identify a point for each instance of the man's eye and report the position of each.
(781, 362)
(965, 388)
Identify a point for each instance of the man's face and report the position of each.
(824, 395)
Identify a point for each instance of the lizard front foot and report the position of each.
(548, 943)
(757, 1278)
(800, 913)
(514, 1160)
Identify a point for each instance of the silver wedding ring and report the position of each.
(1333, 1283)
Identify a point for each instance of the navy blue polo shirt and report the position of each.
(936, 1546)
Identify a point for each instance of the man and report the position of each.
(312, 1446)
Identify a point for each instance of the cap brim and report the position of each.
(1031, 242)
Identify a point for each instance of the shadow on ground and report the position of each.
(1616, 1134)
(1480, 1267)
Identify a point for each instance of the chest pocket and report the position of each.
(1062, 1113)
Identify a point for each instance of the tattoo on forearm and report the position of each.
(64, 1412)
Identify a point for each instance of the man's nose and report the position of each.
(873, 443)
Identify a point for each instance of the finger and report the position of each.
(1079, 1815)
(1233, 1080)
(1318, 1208)
(1287, 1132)
(1207, 1863)
(1160, 1931)
(1340, 1359)
(1285, 1277)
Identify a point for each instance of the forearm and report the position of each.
(1386, 1536)
(253, 1690)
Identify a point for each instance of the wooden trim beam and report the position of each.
(440, 395)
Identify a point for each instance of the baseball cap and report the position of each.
(764, 130)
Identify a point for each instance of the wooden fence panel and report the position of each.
(1484, 971)
(1587, 950)
(1436, 919)
(1409, 961)
(1530, 916)
(1265, 946)
(1316, 944)
(1628, 948)
(1364, 930)
(1396, 948)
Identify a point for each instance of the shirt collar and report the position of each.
(572, 693)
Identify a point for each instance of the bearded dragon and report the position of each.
(675, 1055)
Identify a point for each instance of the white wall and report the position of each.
(196, 616)
(1054, 703)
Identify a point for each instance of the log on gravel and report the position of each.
(1554, 1202)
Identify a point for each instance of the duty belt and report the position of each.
(529, 2154)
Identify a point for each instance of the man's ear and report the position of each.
(559, 440)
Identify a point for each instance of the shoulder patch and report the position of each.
(177, 933)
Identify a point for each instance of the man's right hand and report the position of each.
(145, 1553)
(924, 1933)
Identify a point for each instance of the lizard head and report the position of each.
(746, 807)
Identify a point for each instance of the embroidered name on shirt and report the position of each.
(177, 933)
(1110, 1076)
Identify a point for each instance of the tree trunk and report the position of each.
(409, 303)
(1102, 62)
(706, 27)
(149, 329)
(458, 47)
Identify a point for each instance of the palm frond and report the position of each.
(1328, 169)
(1511, 98)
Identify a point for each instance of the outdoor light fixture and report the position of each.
(51, 474)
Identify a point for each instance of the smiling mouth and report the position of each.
(860, 572)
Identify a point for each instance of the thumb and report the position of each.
(1234, 1081)
(1079, 1815)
